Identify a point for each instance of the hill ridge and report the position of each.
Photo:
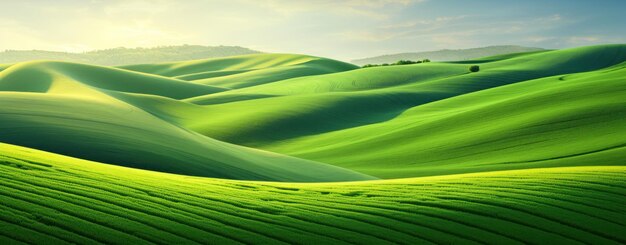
(78, 110)
(448, 54)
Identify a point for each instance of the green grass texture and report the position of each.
(53, 199)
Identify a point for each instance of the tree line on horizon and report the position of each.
(127, 56)
(473, 68)
(399, 62)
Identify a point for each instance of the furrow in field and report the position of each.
(415, 217)
(17, 222)
(337, 204)
(573, 230)
(10, 234)
(65, 220)
(591, 216)
(147, 207)
(145, 225)
(557, 201)
(456, 209)
(208, 211)
(107, 226)
(613, 190)
(7, 239)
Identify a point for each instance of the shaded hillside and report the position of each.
(245, 70)
(389, 122)
(81, 111)
(431, 119)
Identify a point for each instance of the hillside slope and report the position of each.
(54, 199)
(45, 76)
(499, 128)
(4, 66)
(389, 122)
(313, 105)
(246, 70)
(430, 119)
(76, 110)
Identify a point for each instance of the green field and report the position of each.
(286, 148)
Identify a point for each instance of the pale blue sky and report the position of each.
(339, 29)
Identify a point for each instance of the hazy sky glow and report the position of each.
(339, 29)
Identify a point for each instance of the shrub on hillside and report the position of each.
(474, 68)
(406, 62)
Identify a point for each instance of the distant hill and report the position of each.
(447, 54)
(127, 56)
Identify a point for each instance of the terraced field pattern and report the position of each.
(297, 149)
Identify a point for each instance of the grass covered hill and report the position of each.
(528, 150)
(429, 119)
(245, 71)
(126, 56)
(573, 119)
(52, 199)
(87, 112)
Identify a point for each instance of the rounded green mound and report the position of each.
(246, 70)
(41, 76)
(88, 112)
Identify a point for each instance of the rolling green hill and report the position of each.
(403, 121)
(76, 110)
(528, 150)
(468, 133)
(52, 199)
(47, 76)
(246, 70)
(4, 66)
(430, 119)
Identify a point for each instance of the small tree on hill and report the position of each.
(474, 68)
